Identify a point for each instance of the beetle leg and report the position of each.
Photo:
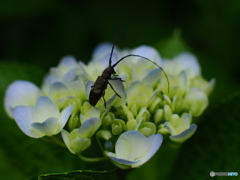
(114, 90)
(104, 99)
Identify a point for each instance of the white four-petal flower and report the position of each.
(133, 149)
(44, 119)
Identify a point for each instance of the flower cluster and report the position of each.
(129, 129)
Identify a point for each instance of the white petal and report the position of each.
(20, 93)
(45, 109)
(119, 160)
(23, 116)
(48, 127)
(57, 88)
(119, 88)
(152, 77)
(196, 101)
(65, 114)
(210, 86)
(148, 52)
(155, 142)
(70, 76)
(80, 144)
(68, 61)
(102, 52)
(185, 134)
(89, 127)
(88, 87)
(131, 145)
(66, 139)
(188, 61)
(183, 83)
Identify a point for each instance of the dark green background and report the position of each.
(34, 35)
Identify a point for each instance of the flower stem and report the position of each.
(88, 159)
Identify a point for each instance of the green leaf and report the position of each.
(215, 145)
(172, 46)
(10, 72)
(80, 174)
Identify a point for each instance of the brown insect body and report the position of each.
(100, 85)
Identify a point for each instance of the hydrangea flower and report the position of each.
(130, 126)
(133, 149)
(44, 119)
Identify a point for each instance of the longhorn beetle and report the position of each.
(98, 88)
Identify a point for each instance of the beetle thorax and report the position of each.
(108, 72)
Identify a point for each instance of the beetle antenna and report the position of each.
(110, 59)
(147, 60)
(115, 38)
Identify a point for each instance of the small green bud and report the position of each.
(107, 119)
(131, 124)
(158, 117)
(162, 129)
(74, 122)
(155, 104)
(144, 113)
(196, 101)
(104, 134)
(167, 112)
(147, 128)
(118, 126)
(177, 104)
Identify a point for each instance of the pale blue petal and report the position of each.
(155, 142)
(68, 61)
(89, 127)
(48, 127)
(70, 76)
(121, 161)
(131, 145)
(45, 109)
(65, 114)
(152, 77)
(58, 88)
(88, 87)
(148, 52)
(102, 52)
(23, 116)
(66, 139)
(20, 93)
(188, 61)
(185, 134)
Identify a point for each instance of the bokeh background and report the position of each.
(34, 35)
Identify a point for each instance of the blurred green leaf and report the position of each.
(215, 145)
(83, 175)
(173, 45)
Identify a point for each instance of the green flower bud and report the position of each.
(177, 104)
(131, 124)
(144, 113)
(118, 126)
(162, 129)
(203, 84)
(107, 118)
(196, 101)
(104, 134)
(73, 122)
(167, 112)
(155, 104)
(158, 117)
(147, 128)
